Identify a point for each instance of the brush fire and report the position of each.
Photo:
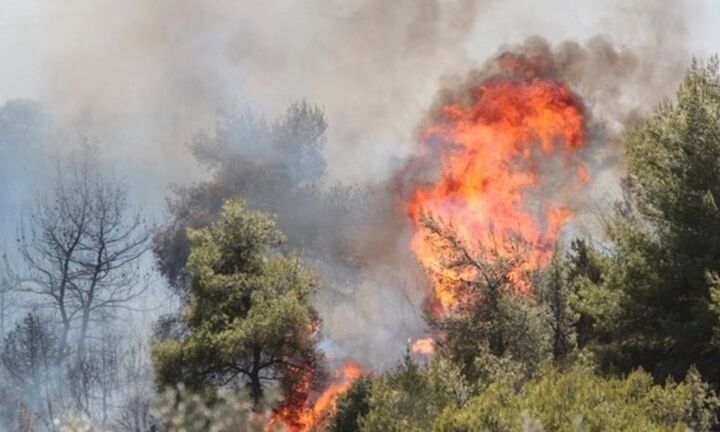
(510, 162)
(510, 159)
(424, 346)
(307, 416)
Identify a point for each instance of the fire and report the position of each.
(510, 165)
(425, 346)
(309, 417)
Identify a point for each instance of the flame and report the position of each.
(510, 168)
(309, 417)
(424, 346)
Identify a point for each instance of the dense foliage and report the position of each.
(248, 318)
(276, 166)
(651, 301)
(576, 399)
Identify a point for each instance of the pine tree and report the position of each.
(248, 318)
(653, 305)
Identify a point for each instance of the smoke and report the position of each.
(145, 76)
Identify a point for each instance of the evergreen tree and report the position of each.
(653, 306)
(248, 318)
(555, 294)
(352, 406)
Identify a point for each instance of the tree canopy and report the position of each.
(653, 304)
(248, 318)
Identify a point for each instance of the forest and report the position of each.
(620, 331)
(541, 254)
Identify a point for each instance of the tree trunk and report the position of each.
(83, 336)
(256, 391)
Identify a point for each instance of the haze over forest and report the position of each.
(313, 204)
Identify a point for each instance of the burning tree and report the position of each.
(295, 415)
(491, 324)
(247, 318)
(511, 164)
(510, 167)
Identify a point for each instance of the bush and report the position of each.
(578, 400)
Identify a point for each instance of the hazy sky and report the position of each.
(29, 32)
(148, 73)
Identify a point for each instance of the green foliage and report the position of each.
(578, 400)
(593, 305)
(276, 165)
(555, 293)
(403, 400)
(248, 316)
(497, 333)
(654, 305)
(413, 398)
(447, 383)
(649, 299)
(410, 397)
(352, 406)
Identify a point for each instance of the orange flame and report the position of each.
(510, 164)
(310, 417)
(424, 346)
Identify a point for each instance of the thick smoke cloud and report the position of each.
(145, 76)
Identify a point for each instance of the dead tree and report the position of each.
(82, 250)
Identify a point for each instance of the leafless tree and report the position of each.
(82, 250)
(134, 413)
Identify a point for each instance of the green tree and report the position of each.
(247, 317)
(352, 406)
(407, 398)
(653, 306)
(402, 400)
(555, 293)
(585, 269)
(275, 166)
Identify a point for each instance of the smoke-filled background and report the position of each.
(181, 92)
